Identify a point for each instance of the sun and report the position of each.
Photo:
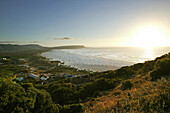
(150, 36)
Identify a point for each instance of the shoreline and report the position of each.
(95, 68)
(88, 67)
(89, 63)
(83, 60)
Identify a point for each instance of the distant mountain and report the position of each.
(10, 47)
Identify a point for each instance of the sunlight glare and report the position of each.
(150, 36)
(148, 53)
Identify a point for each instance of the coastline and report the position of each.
(103, 59)
(89, 63)
(95, 68)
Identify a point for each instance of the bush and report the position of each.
(26, 85)
(117, 93)
(148, 66)
(65, 93)
(161, 69)
(122, 73)
(137, 66)
(73, 108)
(126, 85)
(101, 84)
(15, 98)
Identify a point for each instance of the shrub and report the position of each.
(26, 85)
(161, 69)
(137, 66)
(15, 98)
(126, 85)
(73, 108)
(101, 84)
(65, 93)
(148, 66)
(124, 72)
(117, 93)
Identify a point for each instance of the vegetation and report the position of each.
(142, 87)
(126, 85)
(91, 89)
(143, 95)
(161, 69)
(73, 108)
(10, 49)
(24, 98)
(10, 70)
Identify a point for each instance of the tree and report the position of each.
(25, 98)
(63, 93)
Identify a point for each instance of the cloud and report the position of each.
(64, 38)
(8, 42)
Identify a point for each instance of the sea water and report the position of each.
(115, 56)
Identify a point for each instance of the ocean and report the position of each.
(101, 59)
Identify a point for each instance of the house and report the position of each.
(20, 78)
(33, 76)
(32, 69)
(43, 78)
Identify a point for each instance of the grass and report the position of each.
(145, 96)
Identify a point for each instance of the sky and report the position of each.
(93, 23)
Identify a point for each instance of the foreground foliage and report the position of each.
(143, 97)
(25, 98)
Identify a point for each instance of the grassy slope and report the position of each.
(145, 95)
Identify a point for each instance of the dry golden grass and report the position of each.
(128, 100)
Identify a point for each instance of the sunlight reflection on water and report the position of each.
(148, 53)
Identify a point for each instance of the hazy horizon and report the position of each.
(80, 45)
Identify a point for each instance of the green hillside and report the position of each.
(142, 87)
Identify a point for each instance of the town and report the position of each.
(39, 69)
